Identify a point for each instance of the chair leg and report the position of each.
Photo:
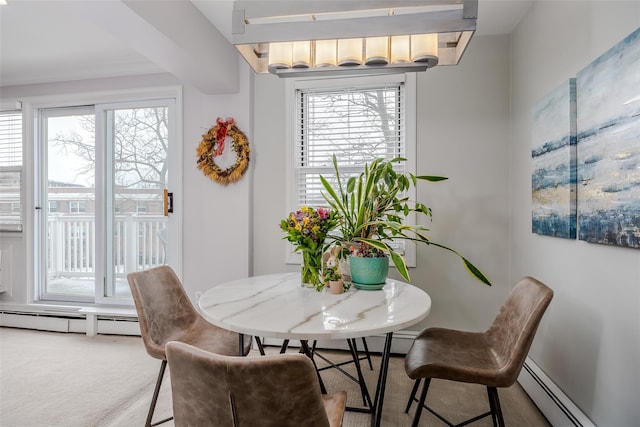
(412, 397)
(423, 396)
(496, 410)
(154, 399)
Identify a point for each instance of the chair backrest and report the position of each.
(268, 391)
(164, 310)
(514, 328)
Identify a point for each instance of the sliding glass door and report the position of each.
(68, 205)
(102, 206)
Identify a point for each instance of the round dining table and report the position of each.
(278, 306)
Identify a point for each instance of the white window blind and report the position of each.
(11, 171)
(357, 125)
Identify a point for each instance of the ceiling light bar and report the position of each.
(293, 38)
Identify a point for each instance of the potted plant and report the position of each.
(373, 207)
(333, 280)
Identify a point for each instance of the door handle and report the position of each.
(168, 202)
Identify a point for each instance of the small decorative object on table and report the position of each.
(307, 230)
(332, 278)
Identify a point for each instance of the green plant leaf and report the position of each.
(432, 178)
(477, 273)
(351, 184)
(470, 267)
(401, 265)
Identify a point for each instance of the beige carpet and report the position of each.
(69, 380)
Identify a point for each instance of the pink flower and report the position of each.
(323, 213)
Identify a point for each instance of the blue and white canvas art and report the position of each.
(608, 94)
(553, 157)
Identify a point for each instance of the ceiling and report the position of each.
(44, 41)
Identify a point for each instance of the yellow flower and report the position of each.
(315, 228)
(305, 220)
(298, 227)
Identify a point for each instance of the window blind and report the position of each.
(11, 171)
(357, 125)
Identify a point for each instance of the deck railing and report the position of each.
(139, 243)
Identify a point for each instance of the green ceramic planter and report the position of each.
(369, 271)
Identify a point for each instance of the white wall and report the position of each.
(463, 133)
(216, 217)
(589, 343)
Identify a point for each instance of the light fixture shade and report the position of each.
(350, 52)
(377, 50)
(280, 55)
(325, 53)
(301, 54)
(400, 46)
(424, 47)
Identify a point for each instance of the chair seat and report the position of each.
(455, 355)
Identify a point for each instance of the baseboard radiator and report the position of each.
(553, 403)
(67, 322)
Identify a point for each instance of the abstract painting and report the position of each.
(608, 101)
(553, 157)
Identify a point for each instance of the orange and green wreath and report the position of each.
(212, 145)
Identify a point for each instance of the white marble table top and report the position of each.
(277, 306)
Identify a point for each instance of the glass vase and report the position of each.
(311, 265)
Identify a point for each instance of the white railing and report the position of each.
(138, 243)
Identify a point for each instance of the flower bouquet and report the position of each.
(307, 230)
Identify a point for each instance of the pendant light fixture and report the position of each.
(300, 38)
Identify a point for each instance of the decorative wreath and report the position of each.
(212, 145)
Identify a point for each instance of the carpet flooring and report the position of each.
(68, 380)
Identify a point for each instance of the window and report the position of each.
(141, 207)
(77, 207)
(11, 171)
(357, 120)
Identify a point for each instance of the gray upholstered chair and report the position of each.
(279, 390)
(165, 314)
(492, 358)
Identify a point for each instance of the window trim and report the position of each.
(409, 80)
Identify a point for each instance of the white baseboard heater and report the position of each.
(552, 402)
(71, 321)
